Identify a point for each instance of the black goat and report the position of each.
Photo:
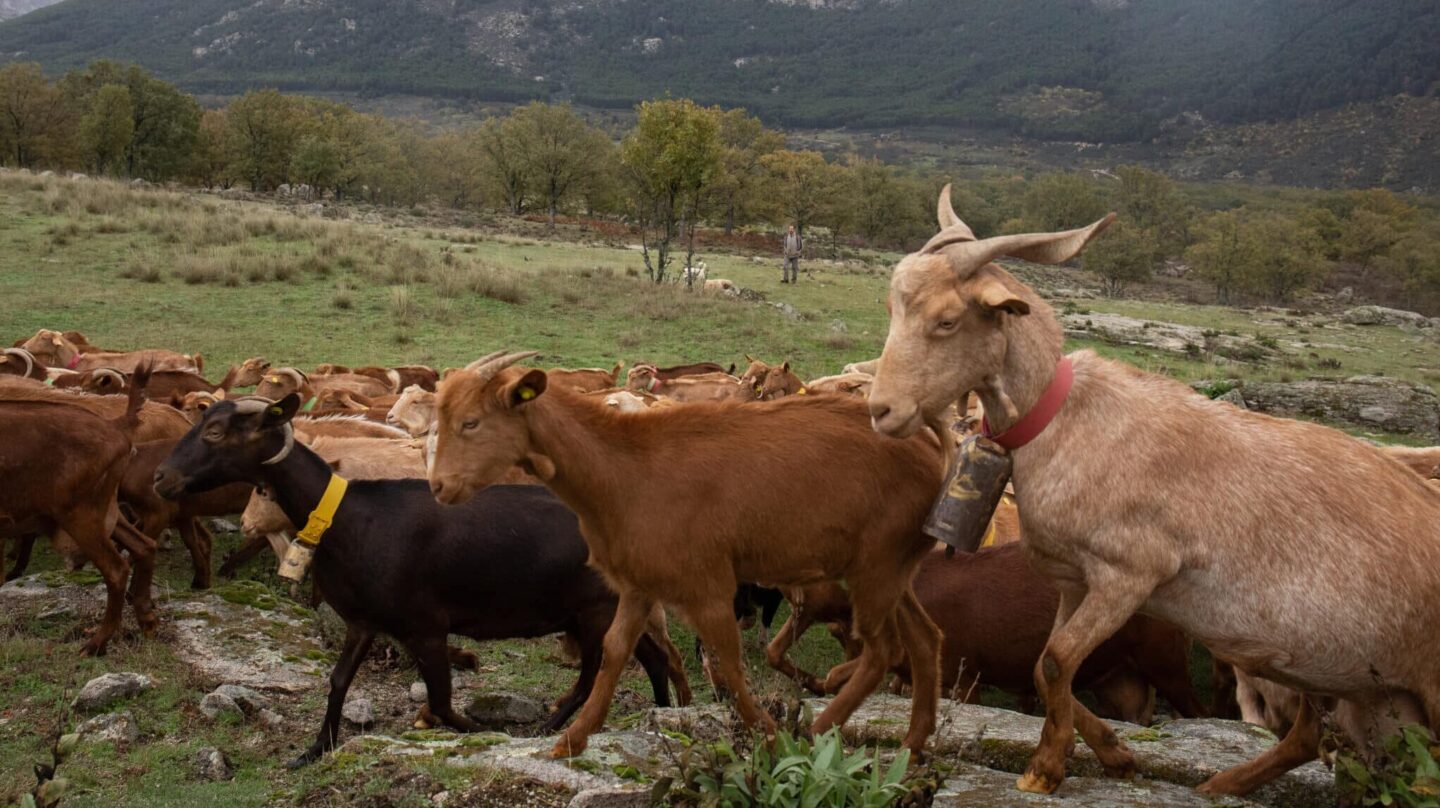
(509, 563)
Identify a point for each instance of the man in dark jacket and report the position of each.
(794, 245)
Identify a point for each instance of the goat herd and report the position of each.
(501, 501)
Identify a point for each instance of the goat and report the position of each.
(157, 421)
(1140, 495)
(697, 387)
(676, 371)
(511, 563)
(852, 504)
(52, 349)
(22, 363)
(281, 382)
(414, 411)
(694, 275)
(847, 383)
(336, 401)
(587, 380)
(722, 285)
(422, 376)
(780, 382)
(62, 466)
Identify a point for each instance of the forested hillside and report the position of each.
(1083, 69)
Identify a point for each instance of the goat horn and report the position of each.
(112, 373)
(949, 219)
(480, 363)
(25, 356)
(488, 370)
(249, 405)
(967, 255)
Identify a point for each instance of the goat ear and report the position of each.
(281, 411)
(219, 394)
(993, 295)
(525, 389)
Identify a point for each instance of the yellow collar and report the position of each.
(989, 539)
(324, 513)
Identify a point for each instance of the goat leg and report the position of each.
(776, 652)
(198, 540)
(1299, 746)
(357, 645)
(23, 547)
(242, 554)
(620, 639)
(433, 658)
(142, 561)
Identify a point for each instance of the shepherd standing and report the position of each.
(794, 245)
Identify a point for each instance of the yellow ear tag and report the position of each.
(273, 380)
(801, 393)
(526, 394)
(276, 411)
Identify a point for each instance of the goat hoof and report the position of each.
(1219, 785)
(1036, 783)
(565, 748)
(302, 760)
(1121, 771)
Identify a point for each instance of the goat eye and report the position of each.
(470, 424)
(945, 325)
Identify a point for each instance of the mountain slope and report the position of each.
(1089, 69)
(14, 8)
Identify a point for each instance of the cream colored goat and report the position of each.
(1141, 495)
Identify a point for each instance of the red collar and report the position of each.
(1034, 422)
(74, 360)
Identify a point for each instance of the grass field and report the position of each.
(231, 279)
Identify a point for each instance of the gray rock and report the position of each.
(498, 709)
(108, 688)
(1380, 315)
(1185, 753)
(621, 797)
(788, 310)
(210, 764)
(270, 718)
(1234, 397)
(1345, 295)
(976, 787)
(249, 701)
(839, 327)
(117, 728)
(417, 691)
(1116, 329)
(215, 705)
(59, 610)
(1370, 402)
(359, 712)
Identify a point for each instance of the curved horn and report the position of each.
(25, 356)
(294, 373)
(249, 405)
(111, 373)
(1040, 248)
(488, 370)
(945, 212)
(480, 363)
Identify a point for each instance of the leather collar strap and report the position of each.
(1034, 422)
(324, 513)
(74, 362)
(654, 383)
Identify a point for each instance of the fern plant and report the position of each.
(1403, 772)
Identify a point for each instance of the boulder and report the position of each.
(1369, 402)
(1380, 315)
(215, 705)
(977, 787)
(248, 700)
(616, 797)
(108, 688)
(500, 709)
(117, 728)
(417, 691)
(359, 712)
(1117, 329)
(210, 764)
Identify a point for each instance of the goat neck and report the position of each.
(580, 438)
(297, 482)
(1032, 349)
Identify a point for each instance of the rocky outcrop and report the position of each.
(1380, 315)
(1369, 402)
(109, 688)
(1117, 329)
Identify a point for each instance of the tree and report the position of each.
(108, 127)
(208, 165)
(1414, 260)
(262, 130)
(1151, 201)
(503, 145)
(670, 158)
(560, 150)
(35, 123)
(1221, 254)
(316, 162)
(1287, 257)
(1377, 219)
(165, 121)
(1060, 201)
(796, 186)
(1125, 254)
(744, 143)
(454, 167)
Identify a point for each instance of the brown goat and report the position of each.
(1140, 495)
(857, 384)
(780, 382)
(414, 411)
(586, 380)
(22, 363)
(62, 466)
(696, 387)
(157, 421)
(52, 349)
(850, 501)
(676, 371)
(423, 376)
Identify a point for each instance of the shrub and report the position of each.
(496, 286)
(1403, 772)
(795, 772)
(402, 305)
(343, 299)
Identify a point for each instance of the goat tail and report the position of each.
(199, 361)
(136, 398)
(619, 366)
